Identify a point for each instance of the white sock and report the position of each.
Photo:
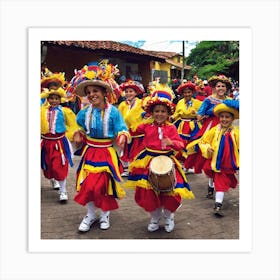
(62, 185)
(156, 214)
(219, 197)
(168, 214)
(211, 183)
(104, 213)
(91, 209)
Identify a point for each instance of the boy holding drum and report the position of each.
(161, 139)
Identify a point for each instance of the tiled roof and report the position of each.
(177, 64)
(114, 46)
(165, 54)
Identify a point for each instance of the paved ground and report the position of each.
(193, 220)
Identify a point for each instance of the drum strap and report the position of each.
(152, 152)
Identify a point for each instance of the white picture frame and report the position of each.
(261, 17)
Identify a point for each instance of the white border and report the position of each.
(262, 16)
(243, 35)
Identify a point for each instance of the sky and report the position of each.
(168, 46)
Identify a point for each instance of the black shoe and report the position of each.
(210, 194)
(218, 210)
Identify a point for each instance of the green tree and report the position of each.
(210, 58)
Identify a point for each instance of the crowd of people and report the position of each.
(153, 138)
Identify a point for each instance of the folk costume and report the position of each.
(132, 112)
(99, 179)
(208, 104)
(146, 196)
(223, 164)
(185, 116)
(206, 110)
(51, 80)
(58, 125)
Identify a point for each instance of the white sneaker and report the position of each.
(86, 223)
(63, 196)
(169, 223)
(153, 225)
(104, 222)
(55, 184)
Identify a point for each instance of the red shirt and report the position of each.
(152, 139)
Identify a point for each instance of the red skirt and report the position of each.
(149, 200)
(145, 195)
(195, 161)
(95, 188)
(98, 178)
(54, 159)
(223, 181)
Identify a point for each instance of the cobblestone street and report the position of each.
(193, 220)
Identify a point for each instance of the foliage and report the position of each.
(210, 58)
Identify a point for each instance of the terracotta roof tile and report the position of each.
(114, 46)
(177, 64)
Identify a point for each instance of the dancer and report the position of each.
(220, 146)
(56, 149)
(185, 116)
(99, 173)
(131, 110)
(161, 141)
(221, 85)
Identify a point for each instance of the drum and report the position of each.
(162, 174)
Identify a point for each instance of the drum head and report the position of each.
(161, 165)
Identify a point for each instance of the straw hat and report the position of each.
(80, 90)
(224, 108)
(96, 74)
(89, 75)
(220, 78)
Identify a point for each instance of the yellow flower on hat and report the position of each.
(90, 75)
(48, 77)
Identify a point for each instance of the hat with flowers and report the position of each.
(138, 87)
(99, 74)
(220, 78)
(162, 95)
(188, 85)
(48, 77)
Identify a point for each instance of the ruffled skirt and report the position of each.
(56, 154)
(145, 195)
(99, 179)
